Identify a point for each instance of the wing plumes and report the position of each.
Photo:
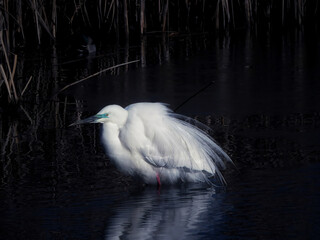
(171, 144)
(203, 153)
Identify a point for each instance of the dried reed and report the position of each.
(96, 74)
(9, 80)
(119, 17)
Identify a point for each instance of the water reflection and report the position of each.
(174, 213)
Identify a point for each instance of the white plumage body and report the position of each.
(148, 140)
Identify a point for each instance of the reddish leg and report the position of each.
(158, 179)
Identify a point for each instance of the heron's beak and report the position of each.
(92, 119)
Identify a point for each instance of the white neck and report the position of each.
(110, 137)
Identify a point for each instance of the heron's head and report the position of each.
(112, 113)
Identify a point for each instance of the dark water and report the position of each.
(280, 204)
(264, 108)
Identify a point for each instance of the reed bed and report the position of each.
(27, 21)
(37, 22)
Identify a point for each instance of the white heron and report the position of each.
(149, 141)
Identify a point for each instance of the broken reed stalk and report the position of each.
(96, 74)
(9, 84)
(6, 142)
(126, 21)
(27, 114)
(3, 73)
(7, 26)
(117, 21)
(9, 81)
(86, 15)
(25, 88)
(54, 18)
(33, 4)
(142, 17)
(5, 53)
(164, 15)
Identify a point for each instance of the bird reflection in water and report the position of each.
(176, 213)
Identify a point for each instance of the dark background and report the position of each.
(263, 107)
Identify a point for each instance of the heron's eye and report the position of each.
(104, 115)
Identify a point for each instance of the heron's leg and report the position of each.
(158, 179)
